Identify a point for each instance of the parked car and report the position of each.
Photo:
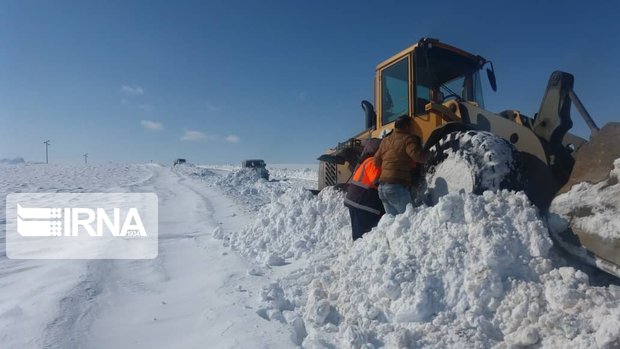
(258, 166)
(179, 161)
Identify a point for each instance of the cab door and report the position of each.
(394, 92)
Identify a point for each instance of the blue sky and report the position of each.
(219, 81)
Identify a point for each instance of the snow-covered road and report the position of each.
(194, 292)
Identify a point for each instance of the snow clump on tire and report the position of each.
(491, 161)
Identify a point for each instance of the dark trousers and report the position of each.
(362, 222)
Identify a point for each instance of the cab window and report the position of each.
(395, 91)
(441, 74)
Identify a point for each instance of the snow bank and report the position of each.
(305, 173)
(472, 271)
(226, 167)
(192, 170)
(590, 207)
(248, 188)
(239, 178)
(292, 225)
(244, 186)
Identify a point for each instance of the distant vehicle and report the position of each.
(179, 161)
(257, 165)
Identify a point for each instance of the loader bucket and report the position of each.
(595, 159)
(585, 215)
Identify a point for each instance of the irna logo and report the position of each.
(82, 225)
(75, 221)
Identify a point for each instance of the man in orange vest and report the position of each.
(362, 197)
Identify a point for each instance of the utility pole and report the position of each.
(47, 144)
(85, 158)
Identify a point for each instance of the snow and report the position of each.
(471, 154)
(282, 171)
(246, 262)
(70, 178)
(601, 202)
(472, 271)
(294, 224)
(247, 188)
(278, 171)
(193, 293)
(33, 290)
(451, 175)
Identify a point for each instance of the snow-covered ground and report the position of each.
(278, 172)
(194, 294)
(248, 263)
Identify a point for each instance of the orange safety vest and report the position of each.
(366, 174)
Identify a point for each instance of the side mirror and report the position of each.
(371, 116)
(491, 76)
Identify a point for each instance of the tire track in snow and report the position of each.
(78, 309)
(186, 296)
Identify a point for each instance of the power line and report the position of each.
(47, 144)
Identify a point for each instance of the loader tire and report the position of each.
(472, 162)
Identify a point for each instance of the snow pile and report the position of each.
(248, 188)
(243, 185)
(307, 173)
(239, 177)
(590, 207)
(472, 271)
(192, 170)
(226, 167)
(293, 225)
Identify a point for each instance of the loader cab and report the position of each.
(428, 71)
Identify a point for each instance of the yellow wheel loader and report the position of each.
(472, 149)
